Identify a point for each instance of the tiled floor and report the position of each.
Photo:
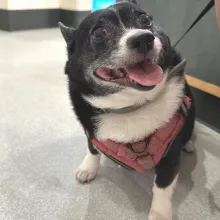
(41, 145)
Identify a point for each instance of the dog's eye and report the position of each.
(99, 34)
(144, 21)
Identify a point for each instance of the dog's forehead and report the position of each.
(115, 14)
(127, 12)
(104, 15)
(123, 6)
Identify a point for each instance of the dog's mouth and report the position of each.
(145, 73)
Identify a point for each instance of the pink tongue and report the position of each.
(148, 75)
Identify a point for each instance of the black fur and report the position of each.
(168, 167)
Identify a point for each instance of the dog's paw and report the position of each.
(88, 168)
(153, 215)
(190, 147)
(85, 176)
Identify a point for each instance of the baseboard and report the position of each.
(207, 108)
(14, 20)
(4, 20)
(72, 18)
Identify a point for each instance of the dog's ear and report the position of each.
(132, 1)
(66, 32)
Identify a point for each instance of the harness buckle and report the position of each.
(138, 153)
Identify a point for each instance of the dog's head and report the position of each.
(117, 56)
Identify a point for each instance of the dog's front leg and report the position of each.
(87, 171)
(167, 173)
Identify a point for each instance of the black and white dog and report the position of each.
(117, 59)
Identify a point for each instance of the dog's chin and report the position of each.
(144, 75)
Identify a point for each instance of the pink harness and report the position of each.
(145, 154)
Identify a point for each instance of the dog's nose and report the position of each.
(142, 43)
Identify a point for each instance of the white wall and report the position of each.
(3, 4)
(83, 5)
(32, 4)
(78, 5)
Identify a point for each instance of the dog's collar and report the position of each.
(173, 72)
(177, 69)
(123, 110)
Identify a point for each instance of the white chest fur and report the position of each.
(136, 125)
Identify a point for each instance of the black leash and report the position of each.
(204, 12)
